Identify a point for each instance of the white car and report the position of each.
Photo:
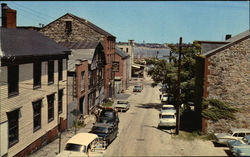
(167, 119)
(164, 98)
(83, 145)
(168, 108)
(234, 134)
(122, 105)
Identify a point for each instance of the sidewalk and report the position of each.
(51, 149)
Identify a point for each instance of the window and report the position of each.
(13, 127)
(37, 74)
(126, 49)
(68, 27)
(82, 80)
(50, 99)
(60, 69)
(37, 115)
(13, 78)
(60, 101)
(50, 72)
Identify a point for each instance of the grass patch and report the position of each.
(190, 136)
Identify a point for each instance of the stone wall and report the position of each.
(228, 80)
(56, 31)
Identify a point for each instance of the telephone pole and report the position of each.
(178, 90)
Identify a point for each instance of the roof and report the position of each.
(81, 51)
(167, 113)
(231, 41)
(120, 52)
(91, 25)
(167, 105)
(23, 42)
(82, 138)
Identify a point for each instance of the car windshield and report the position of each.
(122, 102)
(109, 114)
(167, 116)
(168, 108)
(73, 147)
(139, 87)
(98, 129)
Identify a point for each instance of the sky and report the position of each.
(149, 21)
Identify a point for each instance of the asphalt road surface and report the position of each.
(139, 136)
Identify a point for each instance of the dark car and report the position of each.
(106, 132)
(137, 88)
(108, 115)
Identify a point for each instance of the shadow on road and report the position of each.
(150, 106)
(161, 129)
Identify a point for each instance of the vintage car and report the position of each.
(108, 115)
(242, 151)
(122, 105)
(168, 108)
(83, 145)
(234, 144)
(106, 132)
(137, 88)
(167, 119)
(234, 134)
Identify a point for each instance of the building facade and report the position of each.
(71, 28)
(33, 88)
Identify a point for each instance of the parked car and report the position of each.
(242, 151)
(137, 88)
(234, 144)
(168, 108)
(108, 115)
(122, 105)
(164, 97)
(83, 145)
(234, 134)
(167, 119)
(106, 132)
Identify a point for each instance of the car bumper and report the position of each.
(167, 124)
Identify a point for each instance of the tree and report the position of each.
(166, 73)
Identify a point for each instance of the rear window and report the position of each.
(73, 147)
(168, 116)
(122, 102)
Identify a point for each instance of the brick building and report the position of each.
(71, 28)
(33, 70)
(226, 77)
(121, 69)
(85, 77)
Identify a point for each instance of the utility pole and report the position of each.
(178, 90)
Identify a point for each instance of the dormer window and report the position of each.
(68, 27)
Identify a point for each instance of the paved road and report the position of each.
(139, 136)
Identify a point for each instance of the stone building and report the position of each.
(121, 70)
(71, 28)
(85, 77)
(33, 88)
(226, 77)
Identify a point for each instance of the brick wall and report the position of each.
(228, 80)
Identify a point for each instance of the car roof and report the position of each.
(168, 105)
(82, 138)
(168, 113)
(236, 130)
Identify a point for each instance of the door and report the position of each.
(82, 105)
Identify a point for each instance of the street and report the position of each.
(139, 136)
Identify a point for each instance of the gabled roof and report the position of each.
(232, 41)
(120, 52)
(23, 42)
(87, 23)
(80, 44)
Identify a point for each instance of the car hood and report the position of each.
(233, 143)
(168, 111)
(222, 135)
(71, 154)
(167, 120)
(121, 105)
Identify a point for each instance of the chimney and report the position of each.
(8, 16)
(228, 36)
(131, 42)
